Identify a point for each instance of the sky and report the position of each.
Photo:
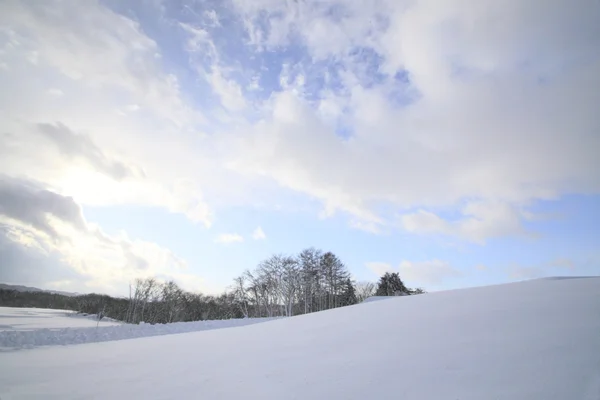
(456, 143)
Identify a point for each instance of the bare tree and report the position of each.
(280, 285)
(285, 285)
(310, 260)
(364, 290)
(240, 293)
(171, 300)
(289, 283)
(254, 292)
(335, 274)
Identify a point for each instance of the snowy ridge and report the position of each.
(12, 340)
(377, 298)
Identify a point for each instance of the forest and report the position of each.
(281, 285)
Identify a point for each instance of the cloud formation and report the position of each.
(72, 145)
(23, 201)
(479, 221)
(447, 119)
(46, 240)
(259, 234)
(112, 127)
(227, 238)
(487, 103)
(412, 107)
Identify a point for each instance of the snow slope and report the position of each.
(27, 319)
(535, 340)
(376, 298)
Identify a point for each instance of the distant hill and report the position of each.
(21, 288)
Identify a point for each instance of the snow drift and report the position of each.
(530, 340)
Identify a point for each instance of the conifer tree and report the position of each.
(349, 294)
(390, 284)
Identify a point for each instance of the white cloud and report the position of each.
(469, 109)
(46, 238)
(105, 62)
(379, 268)
(201, 47)
(229, 238)
(73, 39)
(258, 234)
(419, 273)
(228, 90)
(212, 17)
(56, 92)
(367, 226)
(479, 221)
(501, 110)
(199, 40)
(496, 110)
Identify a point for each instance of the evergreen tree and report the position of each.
(349, 294)
(390, 284)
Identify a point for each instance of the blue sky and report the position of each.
(570, 235)
(454, 144)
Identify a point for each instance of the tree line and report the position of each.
(311, 281)
(281, 285)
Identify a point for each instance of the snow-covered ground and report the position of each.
(27, 319)
(33, 327)
(536, 340)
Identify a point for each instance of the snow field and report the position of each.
(30, 327)
(536, 340)
(26, 319)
